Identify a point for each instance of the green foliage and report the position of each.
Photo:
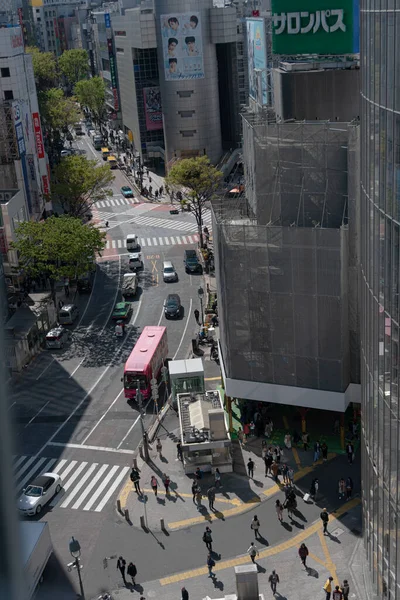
(198, 181)
(92, 94)
(44, 67)
(77, 183)
(74, 65)
(57, 247)
(58, 113)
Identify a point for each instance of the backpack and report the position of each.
(207, 536)
(255, 524)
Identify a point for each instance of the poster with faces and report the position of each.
(182, 46)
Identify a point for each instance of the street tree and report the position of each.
(57, 247)
(44, 68)
(58, 114)
(196, 181)
(74, 65)
(91, 93)
(77, 183)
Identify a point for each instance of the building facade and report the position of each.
(380, 273)
(59, 25)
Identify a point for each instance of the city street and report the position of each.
(68, 406)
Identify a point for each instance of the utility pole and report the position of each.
(139, 399)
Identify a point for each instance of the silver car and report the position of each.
(169, 273)
(57, 337)
(38, 493)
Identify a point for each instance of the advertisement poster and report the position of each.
(152, 108)
(321, 27)
(38, 135)
(257, 59)
(182, 46)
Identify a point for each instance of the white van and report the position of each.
(132, 242)
(68, 314)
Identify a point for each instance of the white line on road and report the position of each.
(115, 297)
(184, 331)
(80, 447)
(101, 418)
(90, 486)
(112, 489)
(45, 369)
(76, 489)
(161, 316)
(10, 407)
(38, 413)
(132, 426)
(76, 368)
(103, 485)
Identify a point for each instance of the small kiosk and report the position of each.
(186, 376)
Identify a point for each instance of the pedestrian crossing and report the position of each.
(117, 201)
(147, 242)
(86, 486)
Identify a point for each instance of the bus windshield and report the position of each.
(132, 381)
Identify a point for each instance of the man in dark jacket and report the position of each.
(273, 580)
(135, 478)
(185, 594)
(324, 518)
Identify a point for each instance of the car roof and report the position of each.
(167, 264)
(130, 275)
(68, 307)
(120, 305)
(131, 236)
(126, 187)
(190, 252)
(55, 330)
(41, 480)
(174, 297)
(134, 256)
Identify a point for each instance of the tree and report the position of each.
(57, 247)
(44, 67)
(74, 65)
(198, 181)
(58, 115)
(77, 183)
(92, 94)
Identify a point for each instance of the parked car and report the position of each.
(68, 314)
(191, 262)
(38, 493)
(126, 191)
(57, 337)
(169, 273)
(84, 283)
(135, 261)
(172, 307)
(121, 311)
(65, 152)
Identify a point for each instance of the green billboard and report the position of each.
(315, 27)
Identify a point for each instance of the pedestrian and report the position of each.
(324, 449)
(273, 580)
(337, 593)
(217, 478)
(159, 447)
(154, 484)
(179, 455)
(250, 468)
(350, 453)
(314, 488)
(132, 571)
(210, 565)
(288, 441)
(195, 487)
(305, 440)
(349, 488)
(328, 588)
(275, 471)
(279, 510)
(255, 525)
(240, 435)
(135, 478)
(199, 496)
(285, 470)
(60, 304)
(167, 482)
(207, 538)
(211, 497)
(278, 451)
(253, 552)
(290, 475)
(303, 553)
(264, 450)
(325, 519)
(198, 473)
(342, 488)
(160, 191)
(345, 589)
(121, 565)
(185, 594)
(156, 193)
(197, 316)
(317, 448)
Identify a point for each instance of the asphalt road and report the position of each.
(68, 406)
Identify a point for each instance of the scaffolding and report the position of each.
(8, 141)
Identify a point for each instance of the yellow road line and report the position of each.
(212, 379)
(234, 501)
(330, 565)
(123, 496)
(294, 450)
(271, 551)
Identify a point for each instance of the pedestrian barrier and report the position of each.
(142, 523)
(119, 507)
(126, 514)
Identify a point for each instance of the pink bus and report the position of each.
(145, 361)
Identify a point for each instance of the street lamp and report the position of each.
(200, 293)
(139, 400)
(75, 551)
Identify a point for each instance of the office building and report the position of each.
(380, 243)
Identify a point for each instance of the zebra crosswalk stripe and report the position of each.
(112, 489)
(90, 487)
(30, 473)
(76, 489)
(104, 484)
(24, 468)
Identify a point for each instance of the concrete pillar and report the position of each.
(247, 582)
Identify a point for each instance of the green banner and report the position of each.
(317, 27)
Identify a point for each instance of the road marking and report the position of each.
(119, 243)
(69, 468)
(76, 489)
(45, 369)
(68, 484)
(234, 501)
(80, 447)
(101, 418)
(112, 489)
(148, 241)
(113, 244)
(166, 241)
(38, 413)
(111, 202)
(173, 240)
(330, 565)
(104, 484)
(89, 487)
(19, 461)
(115, 298)
(31, 472)
(132, 426)
(155, 241)
(161, 316)
(213, 379)
(190, 239)
(271, 551)
(184, 331)
(10, 407)
(60, 465)
(75, 370)
(24, 468)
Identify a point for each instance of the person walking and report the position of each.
(328, 588)
(341, 488)
(195, 488)
(210, 565)
(167, 483)
(132, 572)
(325, 519)
(159, 447)
(273, 580)
(179, 455)
(314, 488)
(154, 484)
(317, 449)
(250, 468)
(345, 589)
(350, 453)
(255, 525)
(135, 478)
(217, 478)
(349, 488)
(291, 476)
(279, 510)
(275, 471)
(197, 316)
(268, 463)
(337, 593)
(305, 440)
(121, 565)
(253, 552)
(303, 553)
(207, 538)
(285, 470)
(211, 497)
(199, 496)
(185, 594)
(324, 450)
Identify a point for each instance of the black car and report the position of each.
(191, 262)
(84, 283)
(172, 307)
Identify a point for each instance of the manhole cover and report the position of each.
(337, 532)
